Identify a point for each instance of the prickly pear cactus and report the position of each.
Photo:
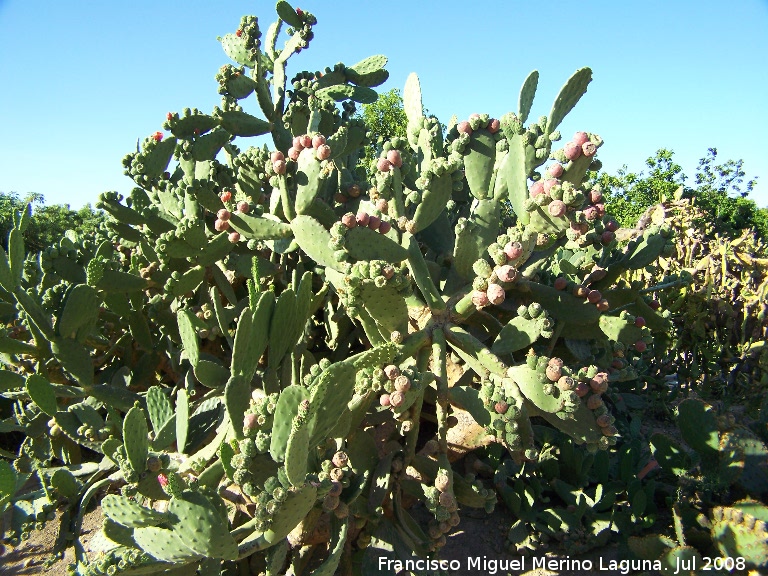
(254, 314)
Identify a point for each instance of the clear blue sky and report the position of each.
(81, 81)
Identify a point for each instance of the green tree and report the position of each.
(48, 223)
(719, 189)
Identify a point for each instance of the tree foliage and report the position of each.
(48, 223)
(720, 190)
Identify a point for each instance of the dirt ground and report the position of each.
(476, 537)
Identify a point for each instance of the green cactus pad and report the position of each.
(7, 278)
(579, 425)
(182, 420)
(159, 408)
(244, 359)
(80, 313)
(314, 240)
(366, 244)
(386, 306)
(563, 305)
(670, 455)
(235, 48)
(297, 453)
(619, 330)
(295, 508)
(330, 564)
(527, 380)
(288, 14)
(241, 123)
(736, 535)
(479, 160)
(130, 513)
(259, 228)
(433, 201)
(75, 359)
(282, 329)
(135, 438)
(201, 527)
(650, 547)
(237, 395)
(164, 545)
(116, 281)
(517, 334)
(412, 105)
(188, 336)
(189, 126)
(118, 534)
(285, 411)
(42, 393)
(308, 180)
(698, 426)
(527, 94)
(569, 95)
(371, 79)
(341, 92)
(331, 392)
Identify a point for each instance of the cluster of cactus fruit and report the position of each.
(234, 341)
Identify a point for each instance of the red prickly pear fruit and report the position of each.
(599, 383)
(493, 125)
(395, 158)
(384, 165)
(581, 389)
(279, 167)
(474, 115)
(363, 218)
(639, 321)
(293, 153)
(391, 372)
(374, 222)
(298, 143)
(388, 271)
(243, 207)
(196, 131)
(590, 213)
(317, 141)
(464, 128)
(157, 136)
(384, 400)
(558, 362)
(560, 283)
(550, 183)
(349, 220)
(537, 188)
(382, 205)
(480, 298)
(640, 346)
(234, 237)
(594, 296)
(340, 198)
(169, 116)
(603, 421)
(221, 225)
(603, 305)
(501, 407)
(299, 12)
(507, 273)
(554, 373)
(354, 191)
(595, 196)
(163, 480)
(223, 214)
(594, 402)
(384, 227)
(306, 140)
(607, 237)
(238, 32)
(654, 304)
(513, 250)
(555, 170)
(580, 291)
(396, 399)
(276, 155)
(495, 294)
(572, 150)
(580, 138)
(250, 421)
(323, 152)
(612, 225)
(226, 196)
(557, 208)
(402, 384)
(600, 207)
(588, 149)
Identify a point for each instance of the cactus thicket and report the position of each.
(250, 316)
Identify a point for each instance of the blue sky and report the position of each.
(81, 81)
